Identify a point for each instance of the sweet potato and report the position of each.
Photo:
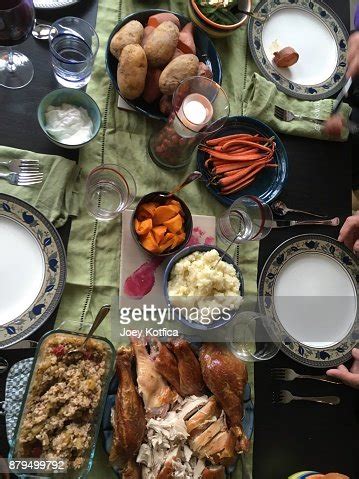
(149, 243)
(161, 44)
(132, 71)
(146, 210)
(204, 71)
(174, 224)
(162, 214)
(143, 227)
(166, 105)
(186, 41)
(129, 34)
(152, 90)
(159, 233)
(156, 20)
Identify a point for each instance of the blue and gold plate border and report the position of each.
(55, 269)
(314, 244)
(305, 92)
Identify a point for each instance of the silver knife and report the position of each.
(286, 224)
(24, 344)
(342, 94)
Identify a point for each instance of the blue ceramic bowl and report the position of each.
(206, 53)
(74, 97)
(269, 182)
(185, 252)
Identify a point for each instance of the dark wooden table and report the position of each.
(287, 438)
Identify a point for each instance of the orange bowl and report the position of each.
(247, 5)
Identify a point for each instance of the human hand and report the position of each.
(334, 126)
(353, 55)
(350, 377)
(349, 234)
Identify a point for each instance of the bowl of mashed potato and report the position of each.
(204, 291)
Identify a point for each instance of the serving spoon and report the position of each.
(101, 315)
(191, 177)
(281, 209)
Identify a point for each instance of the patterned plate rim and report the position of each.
(55, 273)
(315, 357)
(306, 92)
(53, 4)
(227, 200)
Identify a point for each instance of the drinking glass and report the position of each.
(247, 219)
(109, 190)
(254, 337)
(16, 22)
(199, 107)
(73, 46)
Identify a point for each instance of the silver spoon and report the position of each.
(101, 315)
(41, 31)
(191, 177)
(281, 209)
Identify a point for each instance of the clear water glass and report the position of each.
(73, 46)
(254, 337)
(247, 219)
(109, 190)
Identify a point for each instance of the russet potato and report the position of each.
(129, 34)
(131, 71)
(161, 44)
(177, 70)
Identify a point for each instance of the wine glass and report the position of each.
(16, 22)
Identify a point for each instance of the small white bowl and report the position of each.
(71, 97)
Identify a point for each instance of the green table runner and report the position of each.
(94, 247)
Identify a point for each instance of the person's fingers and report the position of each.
(356, 247)
(347, 233)
(345, 376)
(353, 67)
(355, 353)
(341, 367)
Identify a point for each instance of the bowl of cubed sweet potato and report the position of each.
(161, 225)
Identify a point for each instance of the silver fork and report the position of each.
(286, 374)
(22, 179)
(286, 115)
(285, 397)
(21, 165)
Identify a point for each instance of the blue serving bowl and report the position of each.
(206, 53)
(74, 97)
(269, 182)
(185, 252)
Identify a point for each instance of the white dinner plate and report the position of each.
(317, 35)
(309, 288)
(52, 4)
(32, 269)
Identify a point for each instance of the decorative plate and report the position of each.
(247, 422)
(32, 269)
(52, 4)
(315, 32)
(309, 288)
(206, 53)
(270, 181)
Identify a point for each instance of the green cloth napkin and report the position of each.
(261, 96)
(56, 197)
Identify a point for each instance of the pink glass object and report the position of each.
(199, 108)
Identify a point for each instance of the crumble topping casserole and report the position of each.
(61, 406)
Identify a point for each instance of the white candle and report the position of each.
(195, 113)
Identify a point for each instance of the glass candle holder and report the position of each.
(199, 107)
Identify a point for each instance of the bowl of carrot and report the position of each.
(161, 225)
(246, 157)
